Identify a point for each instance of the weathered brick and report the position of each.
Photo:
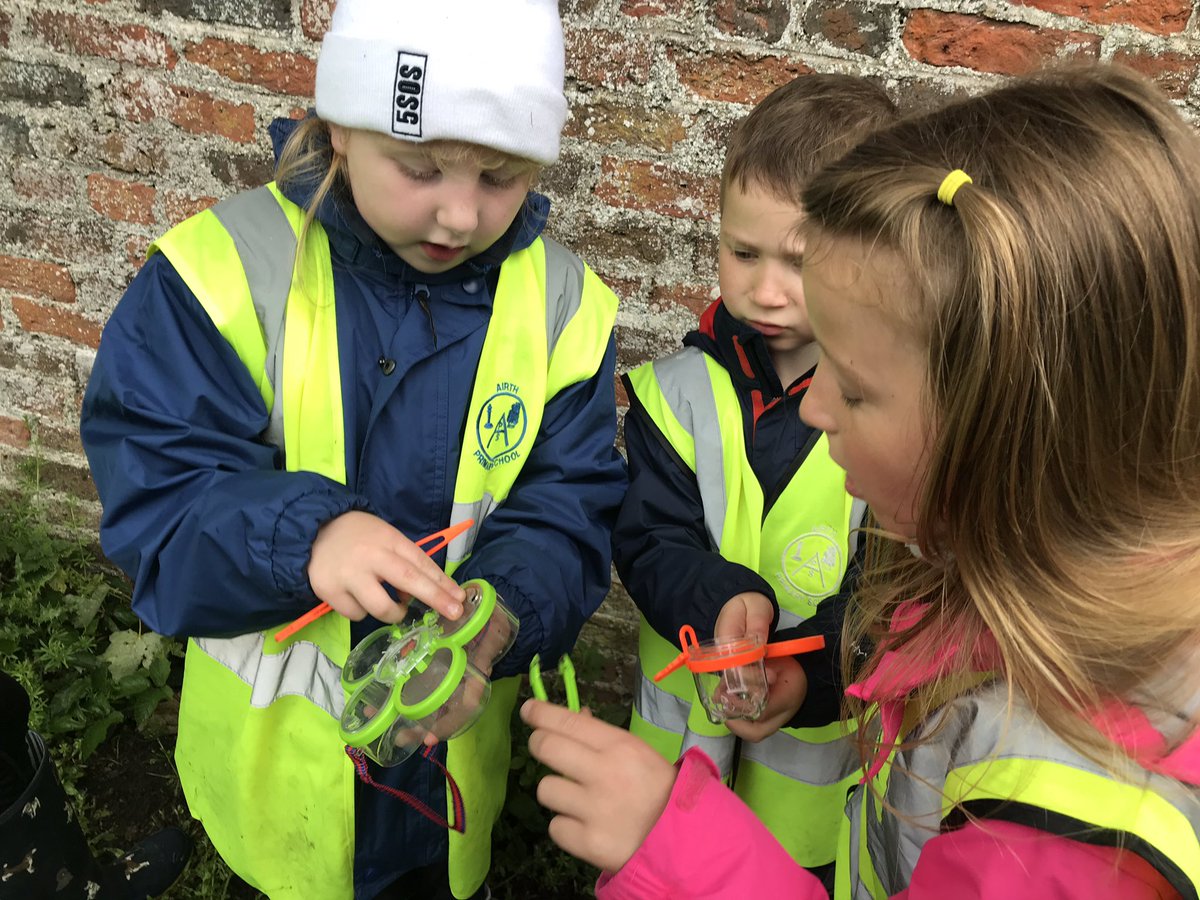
(637, 184)
(638, 342)
(607, 59)
(49, 235)
(178, 206)
(314, 17)
(74, 481)
(14, 432)
(562, 179)
(93, 36)
(5, 28)
(1173, 72)
(627, 239)
(133, 151)
(202, 113)
(1156, 16)
(35, 180)
(735, 77)
(286, 73)
(275, 14)
(605, 122)
(763, 20)
(135, 250)
(578, 7)
(624, 288)
(32, 276)
(14, 134)
(240, 170)
(41, 84)
(140, 99)
(34, 358)
(1004, 48)
(122, 201)
(642, 8)
(851, 26)
(63, 440)
(696, 298)
(46, 319)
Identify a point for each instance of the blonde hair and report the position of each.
(1059, 299)
(308, 157)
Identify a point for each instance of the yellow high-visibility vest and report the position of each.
(802, 548)
(259, 755)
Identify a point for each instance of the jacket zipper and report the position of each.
(423, 300)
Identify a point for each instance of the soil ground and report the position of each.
(132, 790)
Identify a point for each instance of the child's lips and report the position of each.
(767, 329)
(440, 252)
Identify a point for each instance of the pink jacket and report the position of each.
(708, 844)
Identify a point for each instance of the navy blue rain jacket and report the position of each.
(660, 546)
(217, 536)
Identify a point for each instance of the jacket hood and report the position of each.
(354, 240)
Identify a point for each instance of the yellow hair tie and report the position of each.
(950, 185)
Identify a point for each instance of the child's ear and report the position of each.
(338, 134)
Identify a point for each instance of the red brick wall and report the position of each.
(121, 117)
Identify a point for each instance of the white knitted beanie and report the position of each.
(485, 71)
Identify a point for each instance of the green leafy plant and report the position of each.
(69, 637)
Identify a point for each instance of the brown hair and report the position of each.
(800, 127)
(1059, 299)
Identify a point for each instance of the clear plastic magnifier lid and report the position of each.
(364, 658)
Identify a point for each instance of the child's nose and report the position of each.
(814, 406)
(768, 290)
(458, 212)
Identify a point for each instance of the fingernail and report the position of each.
(455, 610)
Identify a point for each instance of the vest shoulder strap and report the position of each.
(266, 244)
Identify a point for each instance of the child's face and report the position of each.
(759, 270)
(869, 388)
(432, 217)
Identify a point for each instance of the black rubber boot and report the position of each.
(43, 853)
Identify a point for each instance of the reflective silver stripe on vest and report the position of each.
(683, 379)
(670, 713)
(974, 729)
(564, 290)
(858, 512)
(815, 763)
(266, 245)
(460, 545)
(301, 670)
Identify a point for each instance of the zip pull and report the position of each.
(423, 299)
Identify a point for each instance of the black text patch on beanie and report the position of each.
(410, 82)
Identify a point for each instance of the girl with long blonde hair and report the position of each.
(1007, 297)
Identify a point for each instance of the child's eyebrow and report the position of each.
(843, 370)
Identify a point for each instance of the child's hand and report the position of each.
(745, 614)
(787, 686)
(356, 553)
(612, 789)
(751, 613)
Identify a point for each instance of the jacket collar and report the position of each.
(742, 350)
(352, 239)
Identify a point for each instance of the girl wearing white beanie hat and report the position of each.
(308, 377)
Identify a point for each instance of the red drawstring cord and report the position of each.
(460, 814)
